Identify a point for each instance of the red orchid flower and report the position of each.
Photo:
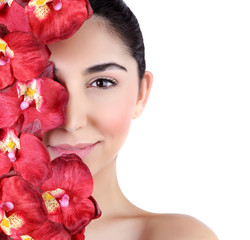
(41, 101)
(67, 194)
(7, 53)
(6, 76)
(51, 231)
(79, 236)
(13, 16)
(9, 106)
(26, 155)
(22, 57)
(23, 207)
(54, 20)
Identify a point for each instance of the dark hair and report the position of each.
(122, 20)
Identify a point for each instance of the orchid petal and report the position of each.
(98, 211)
(52, 106)
(68, 172)
(61, 20)
(52, 115)
(30, 55)
(78, 214)
(10, 110)
(48, 71)
(33, 161)
(51, 231)
(15, 19)
(79, 236)
(5, 164)
(28, 204)
(6, 76)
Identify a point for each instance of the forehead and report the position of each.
(93, 42)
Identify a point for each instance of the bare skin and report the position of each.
(122, 220)
(100, 112)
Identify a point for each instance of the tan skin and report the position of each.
(101, 106)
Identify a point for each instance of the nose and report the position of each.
(76, 112)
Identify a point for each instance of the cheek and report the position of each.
(114, 119)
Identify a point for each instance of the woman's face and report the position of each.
(102, 82)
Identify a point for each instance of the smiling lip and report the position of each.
(82, 150)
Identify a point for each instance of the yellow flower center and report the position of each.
(5, 49)
(49, 196)
(40, 2)
(11, 145)
(30, 92)
(5, 223)
(2, 46)
(26, 237)
(51, 203)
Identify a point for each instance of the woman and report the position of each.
(103, 68)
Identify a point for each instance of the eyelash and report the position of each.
(103, 79)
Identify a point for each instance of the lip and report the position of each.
(82, 149)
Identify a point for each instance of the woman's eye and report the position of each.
(103, 83)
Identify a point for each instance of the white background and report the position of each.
(190, 150)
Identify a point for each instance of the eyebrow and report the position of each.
(104, 67)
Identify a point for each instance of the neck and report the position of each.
(107, 192)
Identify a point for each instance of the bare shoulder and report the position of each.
(175, 227)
